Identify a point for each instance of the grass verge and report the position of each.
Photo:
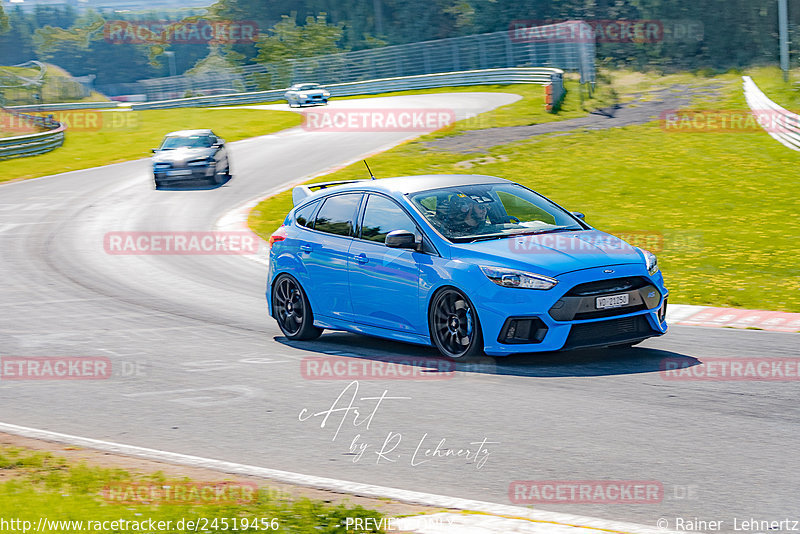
(105, 137)
(718, 208)
(76, 497)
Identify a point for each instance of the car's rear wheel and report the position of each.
(454, 325)
(291, 309)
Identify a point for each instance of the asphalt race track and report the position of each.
(199, 368)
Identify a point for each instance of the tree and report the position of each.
(287, 40)
(4, 26)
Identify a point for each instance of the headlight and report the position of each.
(201, 162)
(650, 261)
(326, 94)
(302, 95)
(519, 279)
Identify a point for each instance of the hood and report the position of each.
(182, 155)
(551, 254)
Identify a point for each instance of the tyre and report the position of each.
(157, 183)
(291, 309)
(454, 325)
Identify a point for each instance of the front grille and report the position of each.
(607, 287)
(579, 303)
(609, 332)
(610, 312)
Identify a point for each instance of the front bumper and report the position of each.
(312, 100)
(180, 174)
(523, 320)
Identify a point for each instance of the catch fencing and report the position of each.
(468, 53)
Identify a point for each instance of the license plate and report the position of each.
(612, 301)
(179, 172)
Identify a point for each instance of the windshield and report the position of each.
(486, 211)
(307, 87)
(193, 141)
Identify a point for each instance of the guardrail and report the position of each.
(64, 106)
(783, 125)
(32, 144)
(535, 75)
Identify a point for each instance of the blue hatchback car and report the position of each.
(469, 264)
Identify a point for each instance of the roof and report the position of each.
(413, 184)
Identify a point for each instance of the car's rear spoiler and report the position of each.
(302, 191)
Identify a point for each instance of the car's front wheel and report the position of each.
(291, 309)
(454, 325)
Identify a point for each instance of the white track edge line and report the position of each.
(332, 484)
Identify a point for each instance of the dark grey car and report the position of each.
(191, 155)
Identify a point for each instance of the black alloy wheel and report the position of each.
(291, 309)
(454, 325)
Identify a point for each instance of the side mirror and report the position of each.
(579, 215)
(153, 150)
(401, 239)
(220, 142)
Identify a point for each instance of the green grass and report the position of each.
(45, 486)
(127, 135)
(720, 208)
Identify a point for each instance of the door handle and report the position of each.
(305, 248)
(362, 258)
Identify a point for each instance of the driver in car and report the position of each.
(466, 215)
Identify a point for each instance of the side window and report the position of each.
(383, 216)
(303, 215)
(337, 213)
